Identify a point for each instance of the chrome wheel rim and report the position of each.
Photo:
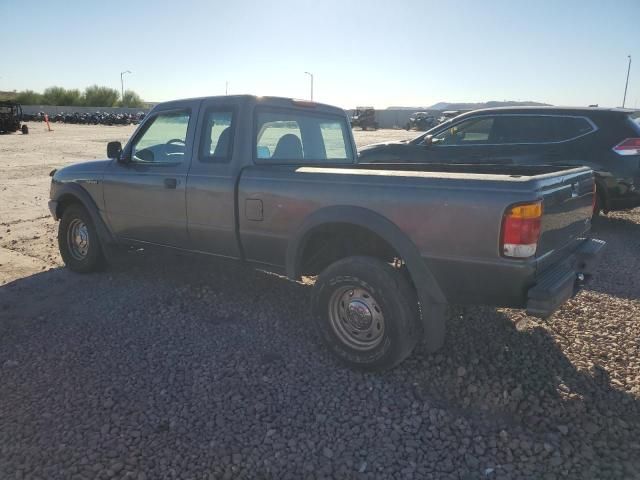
(78, 239)
(356, 318)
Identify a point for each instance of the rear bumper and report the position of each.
(561, 282)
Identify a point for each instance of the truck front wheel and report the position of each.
(366, 312)
(78, 240)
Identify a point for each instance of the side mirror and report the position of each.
(114, 150)
(428, 140)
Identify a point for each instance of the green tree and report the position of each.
(96, 96)
(61, 96)
(131, 99)
(29, 97)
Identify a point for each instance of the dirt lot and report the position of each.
(169, 366)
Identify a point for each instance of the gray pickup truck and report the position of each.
(275, 182)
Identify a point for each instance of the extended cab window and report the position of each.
(298, 137)
(474, 131)
(163, 139)
(217, 134)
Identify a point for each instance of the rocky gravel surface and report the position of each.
(168, 366)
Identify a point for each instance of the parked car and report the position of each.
(275, 183)
(604, 139)
(11, 118)
(449, 114)
(421, 121)
(365, 118)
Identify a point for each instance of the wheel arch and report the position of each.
(427, 287)
(68, 194)
(433, 303)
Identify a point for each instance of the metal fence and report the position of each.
(53, 109)
(389, 118)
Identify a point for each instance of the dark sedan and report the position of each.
(606, 140)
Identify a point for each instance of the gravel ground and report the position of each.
(170, 366)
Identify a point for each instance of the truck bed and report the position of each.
(453, 214)
(490, 169)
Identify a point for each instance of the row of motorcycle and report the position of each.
(95, 118)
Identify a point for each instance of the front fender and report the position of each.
(64, 193)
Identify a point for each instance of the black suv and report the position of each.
(606, 140)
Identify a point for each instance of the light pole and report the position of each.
(122, 83)
(624, 99)
(311, 75)
(226, 87)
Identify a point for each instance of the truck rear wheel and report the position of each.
(78, 241)
(366, 312)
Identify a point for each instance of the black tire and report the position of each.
(597, 207)
(391, 295)
(93, 258)
(25, 130)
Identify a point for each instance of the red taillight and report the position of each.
(521, 230)
(629, 146)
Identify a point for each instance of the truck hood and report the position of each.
(82, 171)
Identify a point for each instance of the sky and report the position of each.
(377, 53)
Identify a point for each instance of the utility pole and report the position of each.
(624, 99)
(122, 84)
(226, 87)
(311, 76)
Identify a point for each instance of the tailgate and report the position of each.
(567, 209)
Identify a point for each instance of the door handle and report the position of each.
(170, 182)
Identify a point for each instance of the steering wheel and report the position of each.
(176, 140)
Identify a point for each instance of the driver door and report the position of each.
(145, 195)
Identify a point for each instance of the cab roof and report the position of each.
(282, 102)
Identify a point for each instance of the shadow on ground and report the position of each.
(166, 355)
(620, 262)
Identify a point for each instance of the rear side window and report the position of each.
(217, 136)
(523, 129)
(567, 128)
(287, 136)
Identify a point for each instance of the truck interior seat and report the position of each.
(289, 147)
(222, 147)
